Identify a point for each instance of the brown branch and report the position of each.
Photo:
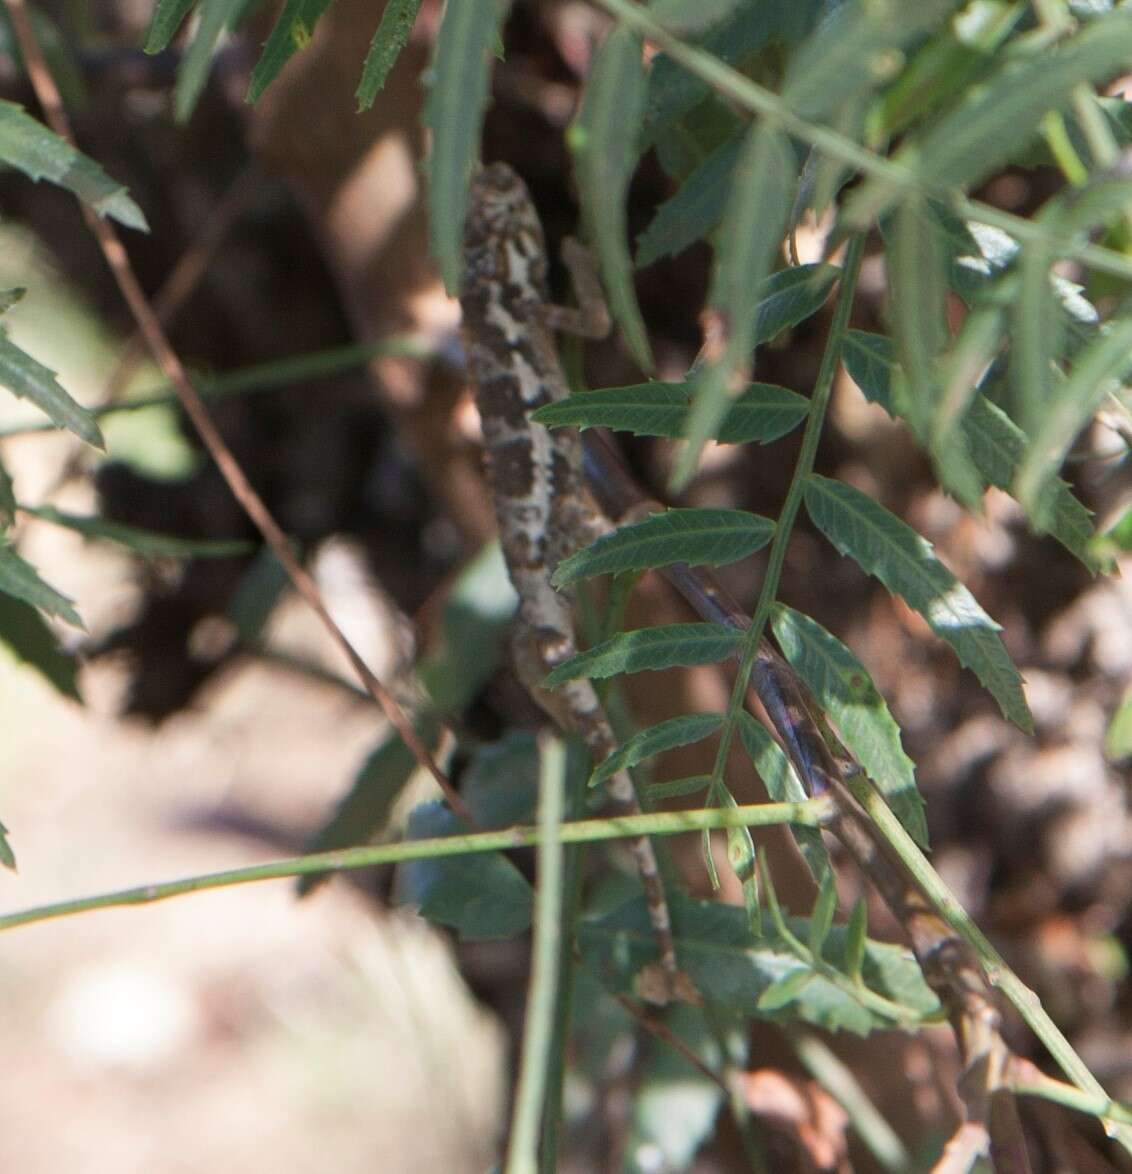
(157, 342)
(186, 274)
(666, 1035)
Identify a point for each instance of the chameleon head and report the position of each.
(499, 200)
(503, 233)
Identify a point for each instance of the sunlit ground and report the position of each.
(236, 1030)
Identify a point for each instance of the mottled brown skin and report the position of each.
(537, 483)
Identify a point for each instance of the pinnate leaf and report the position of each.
(843, 688)
(982, 132)
(666, 735)
(761, 414)
(193, 71)
(996, 444)
(791, 296)
(453, 114)
(28, 146)
(605, 152)
(783, 786)
(390, 38)
(21, 580)
(694, 210)
(27, 635)
(166, 19)
(664, 647)
(292, 31)
(904, 562)
(733, 969)
(698, 537)
(31, 380)
(753, 225)
(1097, 370)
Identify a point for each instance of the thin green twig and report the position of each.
(753, 97)
(838, 1080)
(1074, 1098)
(569, 913)
(811, 813)
(819, 402)
(257, 377)
(538, 1030)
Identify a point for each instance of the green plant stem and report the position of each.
(819, 403)
(811, 813)
(258, 377)
(878, 1004)
(838, 1080)
(1024, 1000)
(753, 97)
(1074, 1098)
(569, 912)
(538, 1030)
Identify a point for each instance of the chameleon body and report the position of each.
(536, 476)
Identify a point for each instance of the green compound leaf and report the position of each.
(31, 380)
(677, 788)
(166, 20)
(453, 114)
(985, 130)
(733, 969)
(843, 688)
(391, 37)
(758, 207)
(783, 786)
(664, 647)
(291, 32)
(761, 414)
(28, 146)
(903, 561)
(791, 296)
(666, 735)
(143, 542)
(29, 638)
(604, 140)
(851, 52)
(21, 580)
(694, 210)
(917, 309)
(193, 71)
(1097, 370)
(674, 92)
(698, 537)
(481, 897)
(996, 444)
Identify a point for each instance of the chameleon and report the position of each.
(542, 508)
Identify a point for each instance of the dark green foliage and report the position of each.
(734, 970)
